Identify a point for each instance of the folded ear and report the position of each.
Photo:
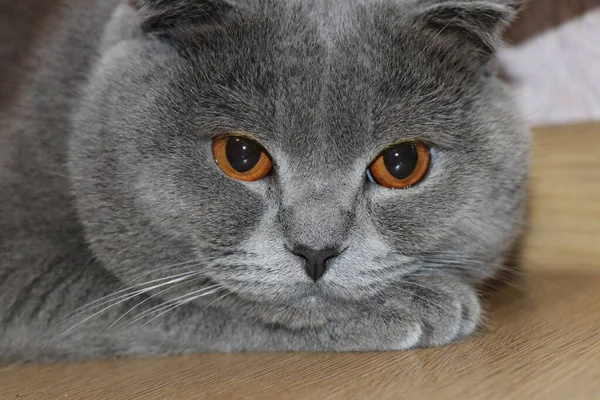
(478, 23)
(165, 14)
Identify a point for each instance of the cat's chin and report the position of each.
(297, 317)
(310, 310)
(299, 305)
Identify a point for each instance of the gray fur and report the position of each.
(107, 179)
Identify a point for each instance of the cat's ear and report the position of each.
(477, 23)
(165, 14)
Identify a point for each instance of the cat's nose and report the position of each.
(315, 260)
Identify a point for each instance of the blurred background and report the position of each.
(553, 58)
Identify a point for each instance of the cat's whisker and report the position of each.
(472, 263)
(185, 301)
(101, 311)
(181, 265)
(215, 300)
(469, 265)
(187, 281)
(445, 267)
(169, 303)
(436, 272)
(126, 290)
(146, 313)
(186, 264)
(132, 291)
(443, 308)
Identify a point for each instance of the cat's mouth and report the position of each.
(299, 294)
(302, 306)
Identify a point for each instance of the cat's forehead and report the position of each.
(302, 77)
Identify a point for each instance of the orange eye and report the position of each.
(401, 165)
(242, 158)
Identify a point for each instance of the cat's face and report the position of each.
(324, 88)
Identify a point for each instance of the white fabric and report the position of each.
(558, 72)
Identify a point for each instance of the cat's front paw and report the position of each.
(443, 310)
(424, 311)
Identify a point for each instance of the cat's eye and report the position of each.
(242, 158)
(400, 165)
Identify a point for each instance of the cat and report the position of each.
(193, 176)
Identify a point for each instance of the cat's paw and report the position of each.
(421, 312)
(443, 310)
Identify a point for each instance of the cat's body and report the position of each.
(107, 179)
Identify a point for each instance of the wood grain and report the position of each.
(542, 339)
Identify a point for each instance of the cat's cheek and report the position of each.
(208, 210)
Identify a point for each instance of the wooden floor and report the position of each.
(542, 339)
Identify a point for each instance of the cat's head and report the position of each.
(297, 208)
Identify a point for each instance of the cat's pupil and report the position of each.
(243, 154)
(401, 160)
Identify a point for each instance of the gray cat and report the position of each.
(193, 176)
